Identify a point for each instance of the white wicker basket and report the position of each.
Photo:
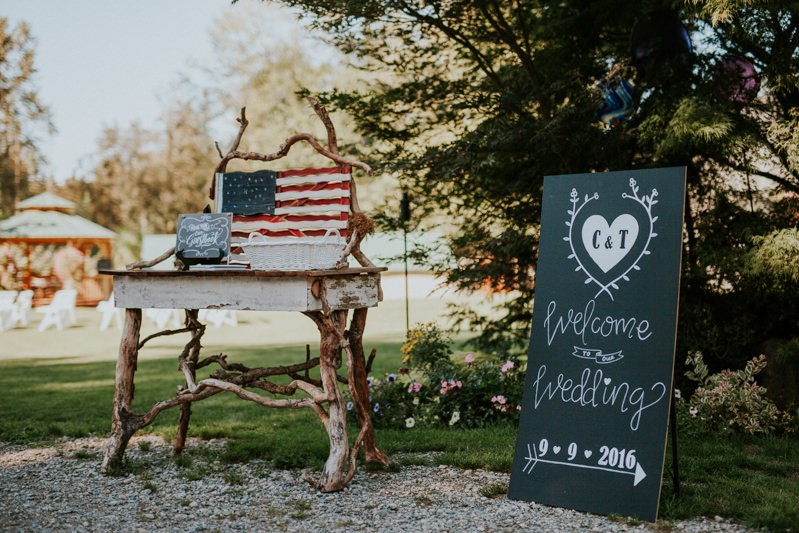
(290, 253)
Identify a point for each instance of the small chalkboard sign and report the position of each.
(594, 417)
(203, 238)
(246, 193)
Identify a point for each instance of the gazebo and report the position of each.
(74, 247)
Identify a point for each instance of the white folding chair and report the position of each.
(60, 312)
(7, 297)
(110, 312)
(161, 316)
(24, 307)
(8, 310)
(218, 317)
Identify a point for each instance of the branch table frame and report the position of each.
(324, 296)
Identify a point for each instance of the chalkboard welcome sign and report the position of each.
(203, 237)
(592, 434)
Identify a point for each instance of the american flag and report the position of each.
(307, 203)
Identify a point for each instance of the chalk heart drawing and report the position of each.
(602, 249)
(607, 244)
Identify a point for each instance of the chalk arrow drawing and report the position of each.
(532, 460)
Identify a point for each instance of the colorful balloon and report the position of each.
(661, 46)
(738, 79)
(617, 101)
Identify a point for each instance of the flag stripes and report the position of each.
(308, 203)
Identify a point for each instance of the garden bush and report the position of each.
(733, 401)
(435, 388)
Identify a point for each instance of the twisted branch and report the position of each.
(321, 112)
(163, 333)
(313, 403)
(138, 265)
(331, 152)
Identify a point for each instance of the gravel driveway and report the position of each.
(61, 489)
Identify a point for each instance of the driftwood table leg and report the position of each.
(335, 473)
(360, 389)
(192, 356)
(123, 423)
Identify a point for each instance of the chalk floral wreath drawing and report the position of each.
(608, 244)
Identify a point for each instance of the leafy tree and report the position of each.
(477, 100)
(264, 72)
(148, 177)
(144, 178)
(271, 73)
(22, 116)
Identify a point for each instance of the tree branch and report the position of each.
(456, 36)
(163, 333)
(759, 172)
(505, 32)
(271, 402)
(321, 112)
(331, 154)
(138, 265)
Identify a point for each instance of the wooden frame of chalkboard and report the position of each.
(203, 238)
(592, 434)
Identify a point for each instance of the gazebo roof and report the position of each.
(46, 201)
(47, 218)
(51, 225)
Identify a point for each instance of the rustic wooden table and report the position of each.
(325, 296)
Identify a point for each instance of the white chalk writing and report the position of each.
(582, 322)
(595, 389)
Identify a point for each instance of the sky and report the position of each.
(106, 63)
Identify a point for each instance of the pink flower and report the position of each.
(469, 359)
(447, 386)
(414, 387)
(507, 366)
(500, 399)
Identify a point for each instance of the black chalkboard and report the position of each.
(246, 193)
(594, 418)
(203, 238)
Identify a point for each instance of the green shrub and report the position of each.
(732, 401)
(436, 390)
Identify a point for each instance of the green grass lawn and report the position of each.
(752, 480)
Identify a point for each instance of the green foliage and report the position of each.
(23, 116)
(436, 390)
(149, 176)
(785, 135)
(720, 11)
(473, 103)
(776, 256)
(732, 401)
(427, 347)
